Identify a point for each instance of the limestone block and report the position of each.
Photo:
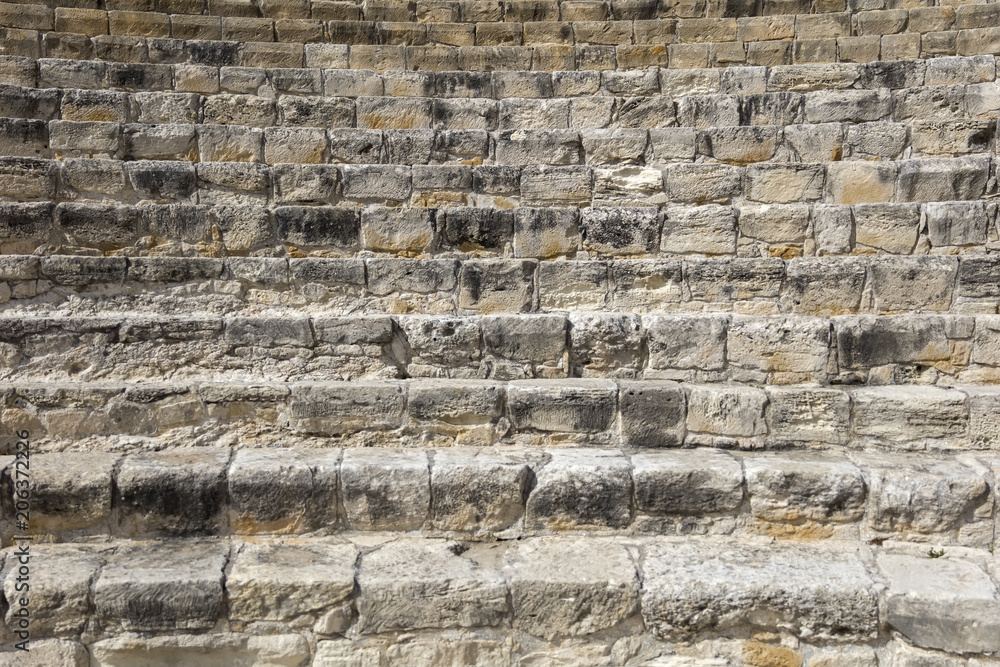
(70, 270)
(152, 180)
(282, 491)
(335, 407)
(943, 179)
(795, 487)
(574, 406)
(442, 344)
(396, 230)
(207, 650)
(863, 342)
(673, 143)
(833, 228)
(942, 603)
(956, 223)
(860, 182)
(816, 142)
(929, 103)
(889, 227)
(739, 145)
(628, 186)
(785, 183)
(691, 482)
(385, 489)
(47, 653)
(986, 341)
(220, 143)
(523, 148)
(66, 492)
(703, 230)
(170, 142)
(532, 338)
(605, 344)
(984, 417)
(356, 147)
(475, 228)
(332, 112)
(686, 342)
(581, 489)
(805, 590)
(909, 412)
(614, 146)
(413, 584)
(161, 587)
(268, 332)
(295, 145)
(317, 226)
(301, 183)
(646, 284)
(346, 653)
(620, 231)
(572, 285)
(556, 186)
(978, 278)
(83, 139)
(378, 182)
(924, 496)
(449, 653)
(823, 286)
(480, 491)
(702, 111)
(720, 280)
(779, 344)
(809, 414)
(497, 285)
(422, 276)
(563, 587)
(105, 106)
(393, 113)
(546, 232)
(179, 491)
(703, 183)
(645, 113)
(455, 402)
(728, 410)
(33, 178)
(529, 114)
(60, 577)
(855, 106)
(281, 582)
(913, 283)
(652, 414)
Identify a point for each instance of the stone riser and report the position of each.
(510, 493)
(592, 591)
(536, 413)
(60, 285)
(929, 349)
(967, 80)
(815, 21)
(438, 58)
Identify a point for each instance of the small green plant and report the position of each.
(935, 553)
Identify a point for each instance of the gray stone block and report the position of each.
(570, 406)
(385, 489)
(687, 482)
(582, 490)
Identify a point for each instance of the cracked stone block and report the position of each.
(281, 582)
(565, 587)
(478, 491)
(697, 481)
(941, 603)
(282, 491)
(174, 492)
(581, 489)
(385, 489)
(794, 487)
(807, 591)
(149, 587)
(415, 584)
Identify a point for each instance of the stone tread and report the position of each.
(80, 285)
(631, 414)
(507, 493)
(220, 53)
(547, 588)
(781, 349)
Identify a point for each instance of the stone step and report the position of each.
(533, 601)
(544, 56)
(511, 493)
(769, 37)
(67, 285)
(631, 414)
(968, 78)
(788, 349)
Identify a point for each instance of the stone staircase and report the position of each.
(522, 333)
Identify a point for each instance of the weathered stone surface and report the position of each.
(699, 481)
(281, 582)
(809, 414)
(942, 603)
(385, 489)
(413, 584)
(347, 407)
(65, 494)
(898, 414)
(796, 345)
(686, 341)
(563, 587)
(480, 491)
(282, 491)
(47, 653)
(652, 414)
(575, 406)
(179, 491)
(581, 489)
(808, 591)
(162, 586)
(790, 488)
(702, 230)
(727, 410)
(209, 650)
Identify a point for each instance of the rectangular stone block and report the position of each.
(903, 413)
(809, 414)
(793, 488)
(479, 492)
(687, 482)
(686, 342)
(727, 410)
(385, 489)
(334, 408)
(652, 414)
(569, 406)
(581, 489)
